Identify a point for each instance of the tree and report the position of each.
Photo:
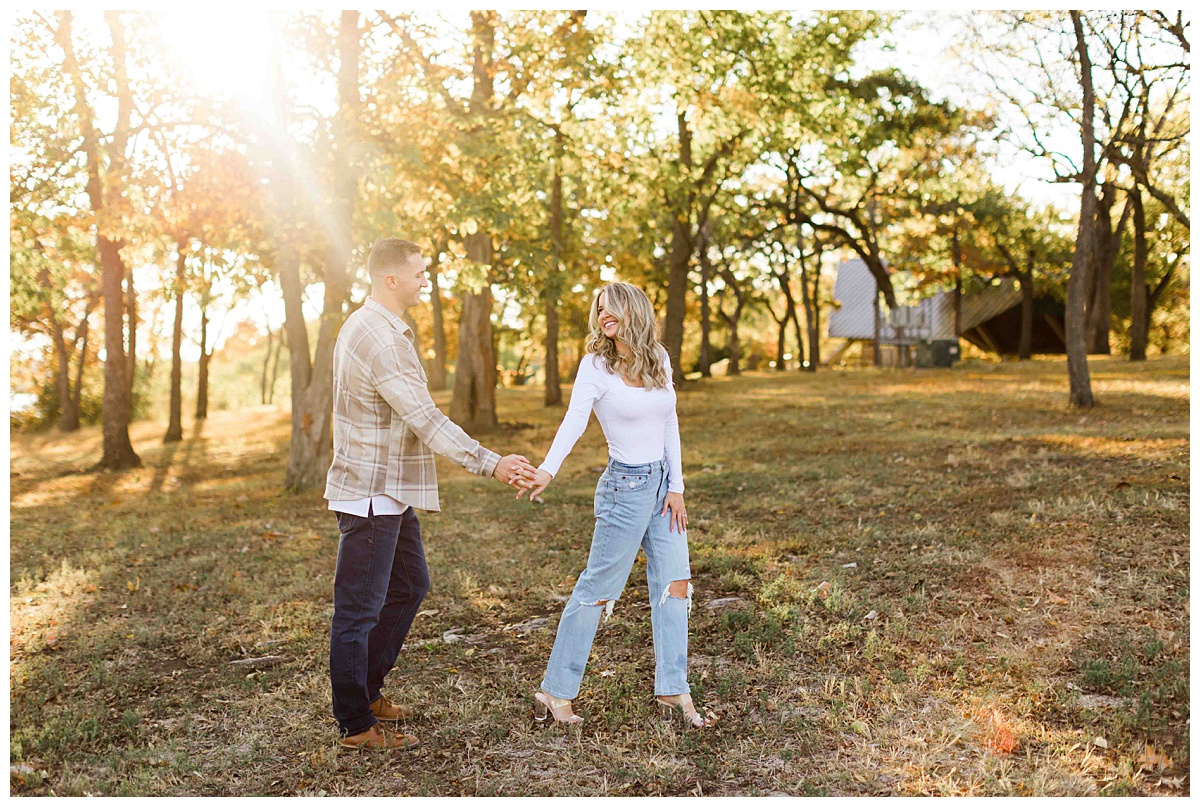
(1045, 71)
(1025, 241)
(1149, 63)
(312, 392)
(461, 154)
(208, 209)
(53, 291)
(810, 294)
(682, 52)
(1042, 66)
(736, 288)
(106, 165)
(1085, 242)
(312, 227)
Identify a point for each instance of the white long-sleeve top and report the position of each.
(640, 425)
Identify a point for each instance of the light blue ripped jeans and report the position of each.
(629, 503)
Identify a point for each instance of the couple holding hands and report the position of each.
(386, 430)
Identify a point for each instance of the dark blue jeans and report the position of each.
(380, 582)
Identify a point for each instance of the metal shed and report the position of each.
(989, 318)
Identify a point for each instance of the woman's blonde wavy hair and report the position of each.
(636, 326)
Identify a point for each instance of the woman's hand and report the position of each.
(674, 503)
(540, 480)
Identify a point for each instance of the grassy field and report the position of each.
(907, 582)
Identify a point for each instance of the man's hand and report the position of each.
(674, 503)
(540, 481)
(514, 470)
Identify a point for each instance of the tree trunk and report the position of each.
(71, 408)
(437, 368)
(785, 285)
(175, 426)
(1108, 248)
(1156, 294)
(305, 451)
(735, 341)
(680, 257)
(814, 324)
(116, 409)
(1082, 260)
(202, 382)
(780, 341)
(1139, 327)
(264, 398)
(311, 448)
(1025, 346)
(275, 366)
(553, 379)
(733, 320)
(704, 365)
(1099, 298)
(117, 406)
(553, 396)
(473, 406)
(62, 375)
(131, 331)
(68, 396)
(809, 312)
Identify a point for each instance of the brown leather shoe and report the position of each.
(378, 738)
(384, 709)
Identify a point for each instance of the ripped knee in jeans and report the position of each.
(608, 607)
(678, 590)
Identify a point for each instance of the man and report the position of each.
(386, 429)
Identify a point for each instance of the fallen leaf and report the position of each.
(1153, 760)
(132, 585)
(261, 663)
(1175, 783)
(1000, 738)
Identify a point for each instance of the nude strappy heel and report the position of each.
(548, 706)
(668, 712)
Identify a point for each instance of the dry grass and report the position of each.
(949, 584)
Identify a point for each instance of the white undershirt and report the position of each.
(380, 504)
(640, 425)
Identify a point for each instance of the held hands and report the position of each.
(514, 470)
(674, 503)
(540, 480)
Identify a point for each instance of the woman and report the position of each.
(626, 379)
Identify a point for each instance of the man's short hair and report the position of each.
(388, 254)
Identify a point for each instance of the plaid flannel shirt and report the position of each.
(386, 426)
